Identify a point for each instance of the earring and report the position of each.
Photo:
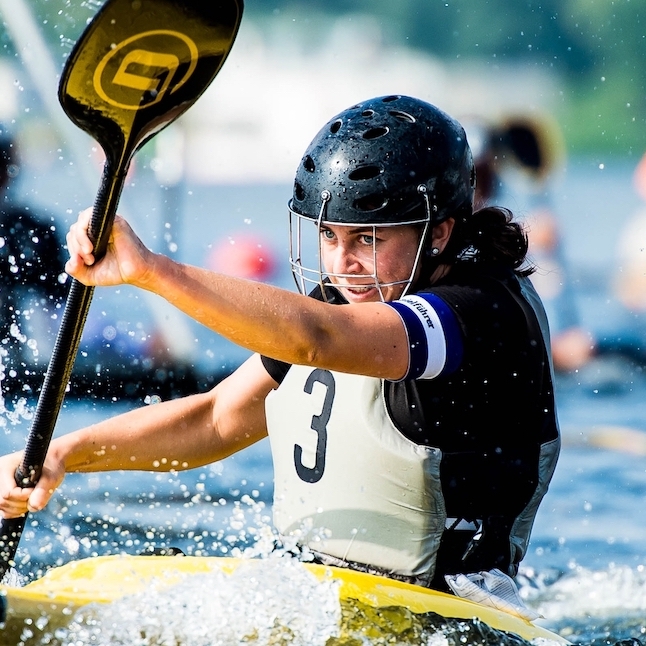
(434, 251)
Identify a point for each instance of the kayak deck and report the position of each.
(105, 579)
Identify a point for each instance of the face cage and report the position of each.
(304, 275)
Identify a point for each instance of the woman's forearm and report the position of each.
(258, 316)
(285, 325)
(176, 434)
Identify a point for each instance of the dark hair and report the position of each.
(489, 236)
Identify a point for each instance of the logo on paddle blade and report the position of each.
(138, 72)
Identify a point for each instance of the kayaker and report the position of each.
(408, 399)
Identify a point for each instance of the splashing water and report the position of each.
(271, 602)
(20, 410)
(619, 589)
(596, 607)
(276, 602)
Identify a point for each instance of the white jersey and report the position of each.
(347, 482)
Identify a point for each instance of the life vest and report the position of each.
(349, 484)
(346, 482)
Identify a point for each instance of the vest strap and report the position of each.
(423, 580)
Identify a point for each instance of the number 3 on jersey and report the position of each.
(319, 424)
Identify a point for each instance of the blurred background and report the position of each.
(552, 95)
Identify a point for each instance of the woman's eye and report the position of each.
(367, 239)
(327, 234)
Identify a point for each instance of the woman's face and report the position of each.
(352, 252)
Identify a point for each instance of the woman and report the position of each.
(408, 403)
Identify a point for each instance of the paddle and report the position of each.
(137, 67)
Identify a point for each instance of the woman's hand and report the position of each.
(127, 260)
(16, 501)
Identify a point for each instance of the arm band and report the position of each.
(435, 340)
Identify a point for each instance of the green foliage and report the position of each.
(596, 46)
(61, 22)
(604, 115)
(504, 29)
(584, 41)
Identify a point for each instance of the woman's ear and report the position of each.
(442, 233)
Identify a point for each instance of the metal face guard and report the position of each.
(306, 261)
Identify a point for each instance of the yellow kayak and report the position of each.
(40, 611)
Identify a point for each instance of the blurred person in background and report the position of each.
(630, 281)
(32, 278)
(525, 151)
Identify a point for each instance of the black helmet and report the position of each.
(378, 162)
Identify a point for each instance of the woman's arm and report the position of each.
(366, 338)
(178, 434)
(361, 339)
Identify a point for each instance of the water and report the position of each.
(289, 606)
(584, 571)
(585, 568)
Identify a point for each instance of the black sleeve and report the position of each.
(276, 369)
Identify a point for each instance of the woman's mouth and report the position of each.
(360, 292)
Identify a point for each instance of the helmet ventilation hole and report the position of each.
(370, 203)
(402, 116)
(364, 172)
(367, 164)
(375, 133)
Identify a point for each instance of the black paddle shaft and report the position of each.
(138, 66)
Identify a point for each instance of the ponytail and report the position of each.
(490, 236)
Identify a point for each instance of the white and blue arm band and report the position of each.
(435, 341)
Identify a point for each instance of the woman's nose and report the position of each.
(346, 261)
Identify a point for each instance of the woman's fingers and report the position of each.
(40, 495)
(126, 258)
(79, 245)
(13, 499)
(16, 501)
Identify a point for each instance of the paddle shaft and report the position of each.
(62, 360)
(136, 68)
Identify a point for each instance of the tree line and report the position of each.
(595, 46)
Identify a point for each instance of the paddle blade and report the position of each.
(141, 63)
